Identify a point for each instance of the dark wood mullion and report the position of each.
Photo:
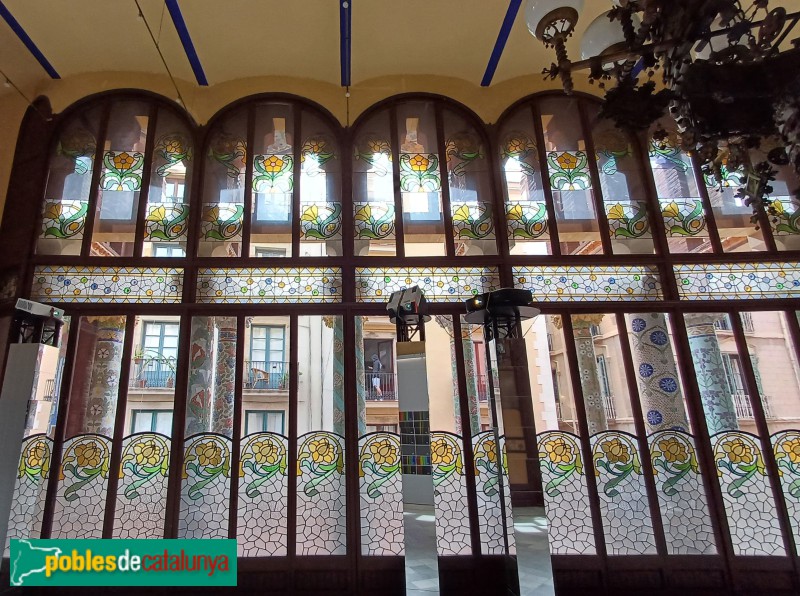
(59, 432)
(119, 427)
(499, 186)
(399, 234)
(541, 153)
(174, 478)
(766, 229)
(250, 154)
(447, 213)
(597, 192)
(296, 174)
(640, 146)
(346, 197)
(144, 191)
(641, 436)
(291, 478)
(585, 440)
(773, 473)
(711, 220)
(195, 199)
(708, 466)
(351, 463)
(466, 437)
(94, 189)
(236, 439)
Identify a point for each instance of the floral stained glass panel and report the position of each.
(589, 283)
(447, 284)
(739, 281)
(569, 170)
(263, 284)
(107, 284)
(64, 219)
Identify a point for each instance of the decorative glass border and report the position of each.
(107, 284)
(439, 284)
(738, 281)
(588, 283)
(242, 285)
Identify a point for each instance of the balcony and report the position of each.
(264, 375)
(380, 386)
(483, 388)
(744, 409)
(153, 372)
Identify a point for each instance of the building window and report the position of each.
(267, 354)
(270, 252)
(263, 421)
(156, 358)
(168, 250)
(382, 428)
(157, 421)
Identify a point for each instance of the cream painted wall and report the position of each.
(203, 102)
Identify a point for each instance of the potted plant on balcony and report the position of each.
(148, 359)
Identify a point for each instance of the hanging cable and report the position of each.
(9, 83)
(158, 49)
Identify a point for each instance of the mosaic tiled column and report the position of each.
(225, 366)
(590, 380)
(715, 392)
(101, 406)
(361, 382)
(657, 373)
(472, 383)
(338, 371)
(198, 411)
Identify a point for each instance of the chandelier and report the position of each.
(729, 77)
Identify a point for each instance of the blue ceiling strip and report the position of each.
(186, 40)
(24, 38)
(500, 44)
(345, 22)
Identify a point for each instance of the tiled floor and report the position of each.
(533, 556)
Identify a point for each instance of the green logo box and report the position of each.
(123, 562)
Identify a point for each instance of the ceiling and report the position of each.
(237, 39)
(241, 39)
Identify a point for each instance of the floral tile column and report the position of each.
(225, 365)
(198, 413)
(657, 373)
(337, 323)
(715, 392)
(590, 381)
(361, 382)
(101, 406)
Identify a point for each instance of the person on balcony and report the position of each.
(377, 365)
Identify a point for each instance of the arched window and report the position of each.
(272, 183)
(119, 182)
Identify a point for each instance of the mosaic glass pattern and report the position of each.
(78, 142)
(569, 170)
(472, 221)
(27, 502)
(375, 151)
(107, 284)
(527, 220)
(684, 217)
(63, 219)
(317, 149)
(518, 144)
(273, 173)
(627, 524)
(415, 442)
(566, 499)
(205, 490)
(589, 283)
(724, 178)
(81, 495)
(490, 514)
(743, 480)
(786, 447)
(172, 148)
(142, 488)
(166, 222)
(320, 221)
(381, 490)
(442, 284)
(419, 173)
(263, 475)
(269, 284)
(229, 152)
(373, 221)
(462, 149)
(784, 217)
(681, 495)
(122, 171)
(628, 220)
(222, 222)
(738, 281)
(321, 514)
(667, 152)
(449, 494)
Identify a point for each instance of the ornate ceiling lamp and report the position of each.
(552, 22)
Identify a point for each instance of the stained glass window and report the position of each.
(445, 284)
(265, 284)
(107, 284)
(589, 283)
(744, 281)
